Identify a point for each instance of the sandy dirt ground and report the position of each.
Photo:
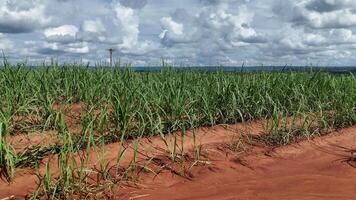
(319, 168)
(315, 169)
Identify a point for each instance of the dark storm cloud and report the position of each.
(329, 6)
(135, 4)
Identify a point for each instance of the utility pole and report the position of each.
(111, 50)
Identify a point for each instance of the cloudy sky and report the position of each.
(184, 32)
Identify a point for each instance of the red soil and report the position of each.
(22, 141)
(315, 169)
(307, 170)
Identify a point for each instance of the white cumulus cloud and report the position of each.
(22, 16)
(187, 32)
(63, 34)
(5, 44)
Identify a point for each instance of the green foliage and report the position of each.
(7, 156)
(170, 99)
(118, 103)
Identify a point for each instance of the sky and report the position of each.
(182, 32)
